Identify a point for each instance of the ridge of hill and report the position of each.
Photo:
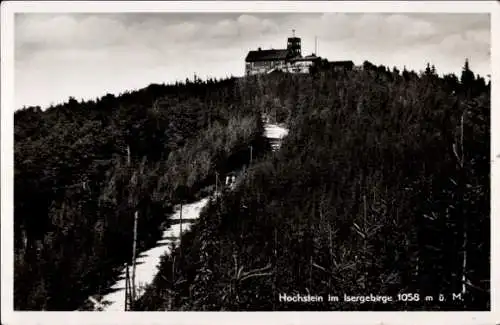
(83, 169)
(382, 186)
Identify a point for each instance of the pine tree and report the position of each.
(467, 79)
(428, 70)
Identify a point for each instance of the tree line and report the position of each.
(382, 187)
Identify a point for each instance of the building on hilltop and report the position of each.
(302, 64)
(286, 60)
(263, 61)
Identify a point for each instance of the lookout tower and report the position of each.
(293, 46)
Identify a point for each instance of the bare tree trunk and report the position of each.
(464, 261)
(331, 254)
(128, 155)
(275, 267)
(365, 273)
(216, 181)
(310, 272)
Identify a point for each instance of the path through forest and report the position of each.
(275, 133)
(148, 261)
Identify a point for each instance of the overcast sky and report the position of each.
(89, 55)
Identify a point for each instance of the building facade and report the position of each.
(265, 61)
(287, 60)
(302, 64)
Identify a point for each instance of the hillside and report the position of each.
(83, 169)
(381, 186)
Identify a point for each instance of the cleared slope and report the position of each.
(147, 263)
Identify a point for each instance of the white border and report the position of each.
(7, 102)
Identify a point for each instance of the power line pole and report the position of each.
(251, 154)
(127, 287)
(216, 181)
(128, 155)
(180, 232)
(136, 217)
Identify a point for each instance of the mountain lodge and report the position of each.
(286, 60)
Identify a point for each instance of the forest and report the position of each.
(382, 186)
(82, 169)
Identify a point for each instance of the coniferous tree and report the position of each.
(467, 79)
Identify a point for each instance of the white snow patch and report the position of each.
(148, 261)
(274, 131)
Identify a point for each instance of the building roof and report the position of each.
(307, 58)
(266, 55)
(341, 63)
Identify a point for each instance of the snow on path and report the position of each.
(148, 261)
(274, 131)
(275, 134)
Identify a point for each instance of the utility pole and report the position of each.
(216, 181)
(128, 155)
(180, 232)
(316, 45)
(136, 217)
(127, 287)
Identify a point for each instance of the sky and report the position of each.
(57, 55)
